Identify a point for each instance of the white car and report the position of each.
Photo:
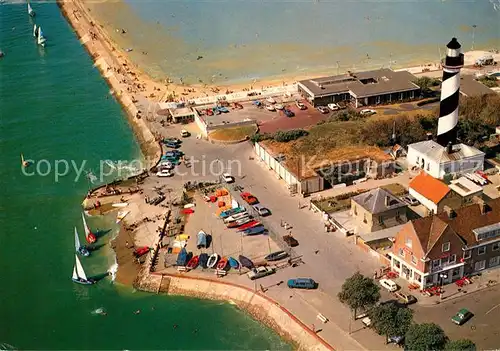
(164, 173)
(279, 106)
(367, 112)
(271, 100)
(260, 272)
(228, 178)
(300, 105)
(334, 107)
(166, 164)
(270, 108)
(185, 133)
(388, 284)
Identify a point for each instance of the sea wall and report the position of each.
(258, 305)
(101, 51)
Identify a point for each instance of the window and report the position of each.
(446, 247)
(467, 254)
(413, 259)
(355, 210)
(480, 265)
(495, 246)
(408, 242)
(380, 219)
(481, 250)
(474, 165)
(435, 263)
(364, 218)
(396, 263)
(401, 252)
(453, 258)
(447, 169)
(428, 166)
(494, 261)
(417, 277)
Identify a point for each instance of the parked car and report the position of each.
(172, 145)
(228, 178)
(290, 240)
(279, 106)
(323, 109)
(164, 173)
(249, 198)
(185, 133)
(461, 316)
(410, 200)
(334, 107)
(366, 321)
(166, 165)
(260, 272)
(405, 299)
(261, 210)
(397, 340)
(388, 284)
(172, 140)
(174, 153)
(367, 112)
(288, 113)
(271, 100)
(270, 108)
(302, 283)
(301, 105)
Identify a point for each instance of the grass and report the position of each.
(395, 188)
(233, 134)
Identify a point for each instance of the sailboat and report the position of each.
(82, 250)
(31, 12)
(23, 162)
(79, 275)
(41, 39)
(91, 238)
(35, 31)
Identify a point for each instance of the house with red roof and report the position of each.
(433, 193)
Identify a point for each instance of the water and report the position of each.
(55, 106)
(246, 40)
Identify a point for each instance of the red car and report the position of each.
(249, 198)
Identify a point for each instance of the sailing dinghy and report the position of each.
(31, 12)
(24, 163)
(79, 275)
(41, 39)
(91, 238)
(82, 250)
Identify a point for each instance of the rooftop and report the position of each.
(471, 87)
(438, 154)
(429, 187)
(378, 200)
(315, 160)
(362, 84)
(464, 187)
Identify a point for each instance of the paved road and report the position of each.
(328, 258)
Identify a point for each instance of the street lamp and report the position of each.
(473, 34)
(442, 276)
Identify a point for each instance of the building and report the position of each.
(471, 87)
(446, 156)
(446, 247)
(182, 114)
(466, 189)
(440, 161)
(305, 174)
(362, 88)
(377, 209)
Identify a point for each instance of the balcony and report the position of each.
(446, 266)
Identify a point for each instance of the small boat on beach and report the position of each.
(239, 222)
(254, 230)
(222, 263)
(182, 257)
(212, 260)
(89, 236)
(79, 275)
(203, 260)
(141, 251)
(233, 263)
(246, 262)
(193, 262)
(202, 240)
(231, 212)
(31, 12)
(276, 256)
(121, 215)
(82, 250)
(248, 225)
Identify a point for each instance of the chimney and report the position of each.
(449, 147)
(429, 136)
(450, 212)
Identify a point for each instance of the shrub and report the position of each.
(289, 135)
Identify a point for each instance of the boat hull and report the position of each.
(83, 281)
(212, 261)
(83, 252)
(91, 238)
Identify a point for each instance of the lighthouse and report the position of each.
(450, 94)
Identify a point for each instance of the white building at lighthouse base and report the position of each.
(439, 161)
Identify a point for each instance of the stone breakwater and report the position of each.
(259, 306)
(119, 78)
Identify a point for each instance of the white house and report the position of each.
(439, 161)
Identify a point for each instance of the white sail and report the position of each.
(77, 241)
(30, 10)
(85, 226)
(34, 31)
(41, 39)
(79, 269)
(75, 276)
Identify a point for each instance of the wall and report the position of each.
(431, 206)
(200, 122)
(257, 304)
(280, 170)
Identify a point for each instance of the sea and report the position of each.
(245, 41)
(56, 110)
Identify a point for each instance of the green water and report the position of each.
(55, 106)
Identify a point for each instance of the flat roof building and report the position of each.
(471, 87)
(361, 88)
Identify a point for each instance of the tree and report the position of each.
(390, 320)
(460, 345)
(424, 337)
(358, 292)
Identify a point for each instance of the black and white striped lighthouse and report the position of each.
(450, 93)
